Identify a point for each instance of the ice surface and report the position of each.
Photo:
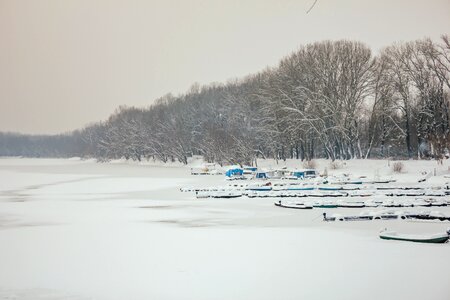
(74, 229)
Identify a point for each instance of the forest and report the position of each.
(329, 99)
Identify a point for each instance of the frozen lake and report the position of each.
(72, 229)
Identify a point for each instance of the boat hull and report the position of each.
(293, 206)
(434, 240)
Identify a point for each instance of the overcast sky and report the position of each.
(66, 63)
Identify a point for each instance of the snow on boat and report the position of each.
(295, 193)
(434, 215)
(300, 188)
(346, 181)
(359, 193)
(421, 203)
(248, 170)
(391, 203)
(383, 181)
(386, 188)
(351, 204)
(371, 204)
(365, 216)
(337, 217)
(219, 194)
(227, 194)
(385, 215)
(353, 181)
(427, 202)
(204, 189)
(435, 193)
(326, 194)
(351, 188)
(403, 193)
(325, 204)
(407, 188)
(293, 205)
(277, 174)
(330, 188)
(433, 238)
(236, 177)
(412, 193)
(438, 203)
(268, 193)
(264, 188)
(302, 174)
(292, 194)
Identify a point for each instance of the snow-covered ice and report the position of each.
(75, 229)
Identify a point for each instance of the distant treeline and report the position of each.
(331, 99)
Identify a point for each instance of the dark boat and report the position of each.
(330, 188)
(427, 216)
(293, 205)
(433, 238)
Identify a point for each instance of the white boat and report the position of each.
(259, 188)
(219, 194)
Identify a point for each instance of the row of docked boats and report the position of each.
(321, 191)
(388, 215)
(276, 186)
(325, 203)
(334, 193)
(317, 204)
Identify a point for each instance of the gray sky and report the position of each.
(66, 63)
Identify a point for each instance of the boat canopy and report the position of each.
(304, 173)
(261, 175)
(234, 172)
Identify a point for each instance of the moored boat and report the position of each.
(433, 238)
(351, 204)
(337, 217)
(325, 204)
(292, 205)
(227, 194)
(219, 194)
(330, 188)
(263, 188)
(300, 188)
(326, 194)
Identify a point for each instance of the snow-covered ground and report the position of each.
(74, 229)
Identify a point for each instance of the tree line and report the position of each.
(329, 99)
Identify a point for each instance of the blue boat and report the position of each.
(234, 172)
(261, 175)
(304, 173)
(300, 188)
(259, 188)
